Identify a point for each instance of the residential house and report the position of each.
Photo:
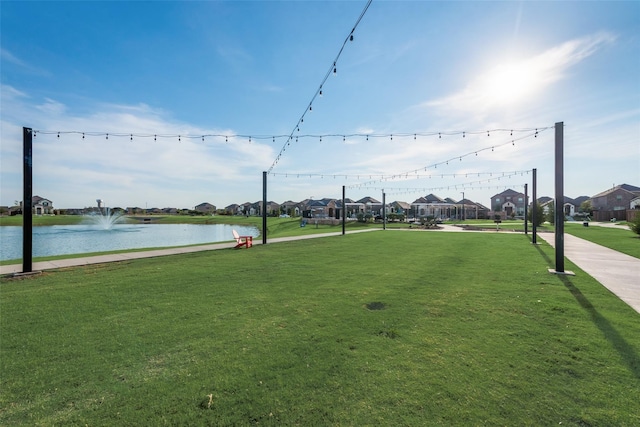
(233, 209)
(290, 208)
(371, 205)
(433, 206)
(323, 208)
(473, 210)
(509, 202)
(400, 208)
(205, 207)
(617, 198)
(353, 208)
(614, 202)
(41, 206)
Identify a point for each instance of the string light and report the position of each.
(333, 68)
(250, 138)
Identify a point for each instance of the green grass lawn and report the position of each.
(620, 239)
(381, 328)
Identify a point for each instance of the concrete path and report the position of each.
(618, 272)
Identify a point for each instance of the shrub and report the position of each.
(634, 224)
(539, 215)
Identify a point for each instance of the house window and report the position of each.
(618, 197)
(497, 199)
(519, 199)
(508, 197)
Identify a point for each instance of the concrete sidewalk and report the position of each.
(618, 272)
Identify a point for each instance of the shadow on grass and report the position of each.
(625, 350)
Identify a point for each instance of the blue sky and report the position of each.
(251, 68)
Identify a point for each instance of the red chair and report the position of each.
(246, 241)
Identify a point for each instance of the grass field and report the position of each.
(380, 328)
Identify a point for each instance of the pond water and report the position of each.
(77, 239)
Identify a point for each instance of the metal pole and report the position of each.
(27, 204)
(534, 206)
(526, 203)
(344, 211)
(559, 208)
(384, 211)
(264, 208)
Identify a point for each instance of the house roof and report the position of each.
(625, 187)
(432, 198)
(544, 199)
(368, 200)
(403, 205)
(507, 192)
(580, 200)
(37, 199)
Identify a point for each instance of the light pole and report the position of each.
(462, 205)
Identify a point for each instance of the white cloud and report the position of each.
(515, 82)
(132, 170)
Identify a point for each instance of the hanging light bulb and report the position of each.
(335, 70)
(154, 137)
(463, 134)
(34, 134)
(131, 137)
(310, 108)
(320, 93)
(58, 135)
(351, 37)
(107, 137)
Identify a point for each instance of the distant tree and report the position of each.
(539, 215)
(551, 215)
(586, 207)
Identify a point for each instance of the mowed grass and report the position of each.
(620, 239)
(378, 328)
